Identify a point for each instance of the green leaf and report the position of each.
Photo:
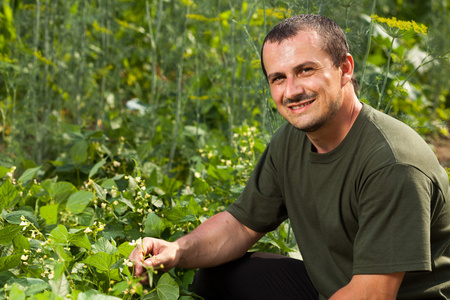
(9, 262)
(60, 234)
(167, 288)
(153, 295)
(80, 240)
(14, 217)
(59, 269)
(175, 214)
(77, 202)
(21, 243)
(154, 226)
(6, 276)
(125, 249)
(28, 175)
(93, 294)
(7, 193)
(103, 245)
(8, 233)
(31, 286)
(194, 207)
(4, 171)
(86, 217)
(61, 191)
(99, 191)
(78, 152)
(101, 260)
(96, 167)
(15, 293)
(49, 213)
(60, 286)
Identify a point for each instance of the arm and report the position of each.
(218, 240)
(376, 286)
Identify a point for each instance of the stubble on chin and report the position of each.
(319, 122)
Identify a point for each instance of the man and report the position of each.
(366, 197)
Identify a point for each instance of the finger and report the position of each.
(137, 258)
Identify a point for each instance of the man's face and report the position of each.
(304, 83)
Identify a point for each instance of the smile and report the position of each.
(302, 105)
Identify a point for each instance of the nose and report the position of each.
(293, 87)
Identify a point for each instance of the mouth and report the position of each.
(299, 106)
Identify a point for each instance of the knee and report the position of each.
(207, 283)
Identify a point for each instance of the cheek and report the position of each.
(277, 94)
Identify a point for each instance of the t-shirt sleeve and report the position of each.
(260, 206)
(394, 212)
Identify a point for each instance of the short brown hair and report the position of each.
(332, 36)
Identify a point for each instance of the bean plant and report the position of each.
(125, 119)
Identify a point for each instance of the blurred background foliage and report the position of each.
(159, 83)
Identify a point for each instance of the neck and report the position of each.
(333, 133)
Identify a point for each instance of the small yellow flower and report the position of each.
(398, 27)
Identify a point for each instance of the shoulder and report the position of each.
(388, 141)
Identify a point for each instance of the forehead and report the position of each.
(305, 45)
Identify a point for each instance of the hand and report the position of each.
(156, 253)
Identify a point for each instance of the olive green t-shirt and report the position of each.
(378, 203)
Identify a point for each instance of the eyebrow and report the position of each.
(298, 67)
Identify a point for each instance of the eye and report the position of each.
(305, 70)
(276, 80)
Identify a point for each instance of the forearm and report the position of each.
(375, 286)
(216, 241)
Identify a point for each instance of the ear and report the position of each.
(347, 68)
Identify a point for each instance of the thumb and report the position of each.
(156, 261)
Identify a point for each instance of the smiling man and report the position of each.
(366, 197)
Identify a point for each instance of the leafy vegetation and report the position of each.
(123, 119)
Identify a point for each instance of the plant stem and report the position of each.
(180, 96)
(381, 96)
(369, 40)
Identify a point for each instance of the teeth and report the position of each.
(300, 106)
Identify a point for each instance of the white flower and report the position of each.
(87, 230)
(24, 257)
(127, 262)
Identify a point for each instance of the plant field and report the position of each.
(123, 119)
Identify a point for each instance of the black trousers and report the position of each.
(256, 276)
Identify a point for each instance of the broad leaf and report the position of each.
(154, 226)
(92, 294)
(78, 152)
(101, 260)
(103, 245)
(86, 217)
(28, 175)
(167, 288)
(99, 191)
(8, 233)
(96, 167)
(61, 191)
(7, 193)
(14, 217)
(49, 213)
(125, 249)
(79, 201)
(9, 262)
(60, 286)
(60, 234)
(80, 240)
(21, 243)
(15, 293)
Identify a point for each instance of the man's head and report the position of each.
(332, 37)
